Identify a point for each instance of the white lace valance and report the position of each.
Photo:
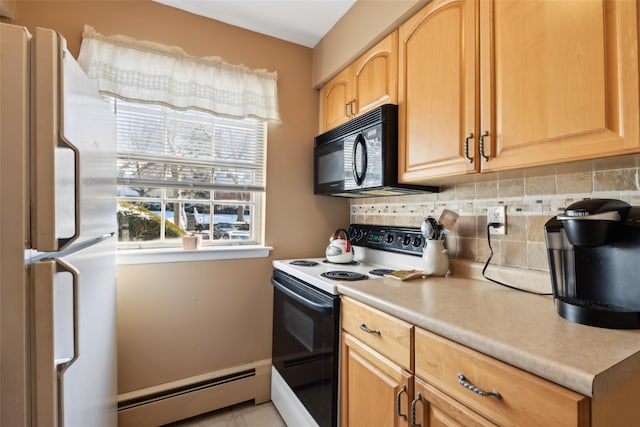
(150, 72)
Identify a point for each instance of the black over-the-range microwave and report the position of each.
(360, 157)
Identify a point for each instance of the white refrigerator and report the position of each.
(57, 244)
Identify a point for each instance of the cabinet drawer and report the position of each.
(525, 399)
(387, 335)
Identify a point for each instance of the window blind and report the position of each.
(162, 147)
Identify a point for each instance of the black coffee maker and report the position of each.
(594, 261)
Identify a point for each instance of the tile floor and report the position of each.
(244, 415)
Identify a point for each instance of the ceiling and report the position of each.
(303, 22)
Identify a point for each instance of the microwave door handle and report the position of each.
(359, 178)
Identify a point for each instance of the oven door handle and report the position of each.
(321, 308)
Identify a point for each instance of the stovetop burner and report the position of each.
(303, 262)
(380, 271)
(344, 275)
(354, 262)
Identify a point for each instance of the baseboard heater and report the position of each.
(178, 391)
(189, 397)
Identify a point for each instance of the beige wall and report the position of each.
(186, 319)
(7, 8)
(183, 319)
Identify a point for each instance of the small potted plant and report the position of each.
(191, 242)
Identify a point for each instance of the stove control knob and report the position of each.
(406, 241)
(353, 232)
(417, 241)
(390, 238)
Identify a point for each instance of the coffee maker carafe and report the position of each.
(594, 262)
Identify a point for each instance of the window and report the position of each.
(184, 165)
(188, 172)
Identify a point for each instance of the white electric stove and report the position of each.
(365, 266)
(306, 319)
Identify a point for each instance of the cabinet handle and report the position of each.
(464, 383)
(348, 108)
(486, 133)
(399, 403)
(466, 147)
(363, 327)
(414, 402)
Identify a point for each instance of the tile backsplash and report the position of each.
(529, 202)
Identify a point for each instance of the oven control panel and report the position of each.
(406, 240)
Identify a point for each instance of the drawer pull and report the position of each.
(464, 383)
(399, 402)
(414, 402)
(369, 331)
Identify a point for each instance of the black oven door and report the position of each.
(305, 344)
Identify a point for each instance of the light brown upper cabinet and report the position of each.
(498, 85)
(336, 100)
(437, 93)
(370, 81)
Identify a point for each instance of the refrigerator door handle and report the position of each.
(55, 163)
(62, 144)
(55, 337)
(63, 364)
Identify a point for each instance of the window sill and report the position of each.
(163, 255)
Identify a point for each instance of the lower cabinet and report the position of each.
(460, 386)
(376, 383)
(432, 407)
(437, 382)
(374, 390)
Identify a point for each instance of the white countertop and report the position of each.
(521, 329)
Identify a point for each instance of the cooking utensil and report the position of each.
(447, 220)
(430, 228)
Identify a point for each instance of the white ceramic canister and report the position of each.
(435, 258)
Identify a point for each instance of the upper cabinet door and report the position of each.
(370, 81)
(559, 81)
(336, 98)
(437, 92)
(375, 76)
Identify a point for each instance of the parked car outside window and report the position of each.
(231, 231)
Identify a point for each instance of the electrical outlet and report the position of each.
(497, 214)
